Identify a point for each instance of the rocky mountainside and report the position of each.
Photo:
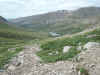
(48, 18)
(62, 21)
(87, 12)
(2, 19)
(4, 23)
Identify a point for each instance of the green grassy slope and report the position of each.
(8, 49)
(12, 41)
(53, 46)
(11, 32)
(8, 42)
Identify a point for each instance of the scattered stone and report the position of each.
(57, 52)
(93, 36)
(53, 53)
(50, 53)
(79, 48)
(11, 67)
(6, 66)
(21, 53)
(12, 49)
(90, 45)
(92, 65)
(21, 59)
(66, 49)
(79, 73)
(72, 66)
(17, 61)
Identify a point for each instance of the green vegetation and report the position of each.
(14, 33)
(12, 41)
(82, 70)
(51, 46)
(8, 49)
(57, 57)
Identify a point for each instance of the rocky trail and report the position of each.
(27, 63)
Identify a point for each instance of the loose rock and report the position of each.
(66, 49)
(90, 45)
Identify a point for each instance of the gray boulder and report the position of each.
(66, 49)
(91, 45)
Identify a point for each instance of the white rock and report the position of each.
(50, 53)
(21, 59)
(72, 66)
(92, 65)
(79, 73)
(79, 48)
(91, 45)
(12, 49)
(11, 68)
(66, 49)
(57, 52)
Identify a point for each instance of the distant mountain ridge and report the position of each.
(62, 21)
(2, 19)
(47, 18)
(87, 12)
(3, 23)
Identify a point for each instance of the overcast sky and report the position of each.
(21, 8)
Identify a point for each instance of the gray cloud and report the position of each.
(21, 8)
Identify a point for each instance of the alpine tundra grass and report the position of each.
(50, 47)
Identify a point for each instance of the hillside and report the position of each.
(87, 12)
(52, 49)
(74, 62)
(9, 40)
(12, 40)
(55, 43)
(9, 31)
(62, 21)
(3, 19)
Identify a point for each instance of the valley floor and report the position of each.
(31, 65)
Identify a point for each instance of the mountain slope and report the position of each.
(12, 40)
(87, 12)
(7, 42)
(2, 19)
(9, 31)
(52, 49)
(41, 22)
(62, 22)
